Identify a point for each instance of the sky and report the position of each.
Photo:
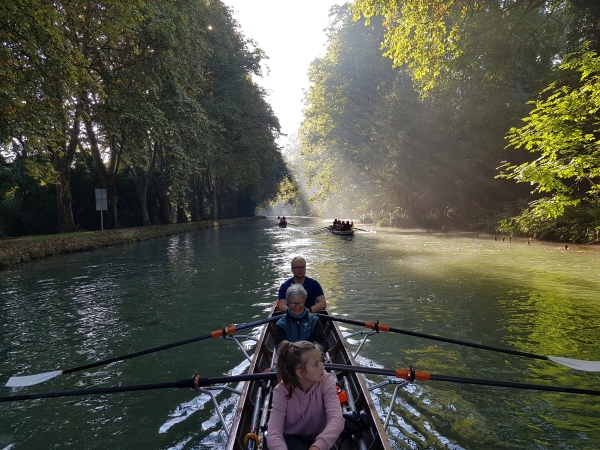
(291, 33)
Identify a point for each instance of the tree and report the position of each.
(376, 147)
(241, 165)
(116, 114)
(429, 37)
(563, 131)
(336, 136)
(42, 76)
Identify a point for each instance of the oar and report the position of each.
(30, 380)
(410, 375)
(578, 364)
(195, 383)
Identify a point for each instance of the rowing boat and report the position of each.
(252, 412)
(340, 232)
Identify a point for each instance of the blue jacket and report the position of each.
(298, 329)
(306, 327)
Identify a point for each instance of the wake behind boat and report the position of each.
(252, 412)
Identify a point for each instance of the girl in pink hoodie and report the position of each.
(306, 412)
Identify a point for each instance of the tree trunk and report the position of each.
(246, 206)
(181, 217)
(211, 188)
(64, 204)
(233, 205)
(112, 217)
(201, 197)
(227, 210)
(140, 180)
(164, 202)
(61, 161)
(194, 198)
(215, 203)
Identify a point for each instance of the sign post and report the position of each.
(101, 205)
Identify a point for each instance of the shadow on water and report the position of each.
(77, 309)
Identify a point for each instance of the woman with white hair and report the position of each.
(298, 324)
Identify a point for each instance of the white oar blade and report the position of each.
(30, 380)
(579, 364)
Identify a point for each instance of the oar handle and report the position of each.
(237, 378)
(405, 374)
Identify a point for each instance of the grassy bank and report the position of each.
(25, 249)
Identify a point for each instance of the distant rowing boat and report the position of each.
(252, 413)
(340, 232)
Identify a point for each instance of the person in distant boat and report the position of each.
(298, 324)
(352, 225)
(306, 412)
(346, 226)
(315, 300)
(335, 221)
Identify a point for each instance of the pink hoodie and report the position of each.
(316, 412)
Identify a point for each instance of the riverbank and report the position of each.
(22, 250)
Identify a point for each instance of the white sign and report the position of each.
(101, 204)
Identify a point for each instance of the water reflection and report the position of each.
(76, 309)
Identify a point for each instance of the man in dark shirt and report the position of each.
(315, 300)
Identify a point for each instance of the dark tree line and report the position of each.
(151, 100)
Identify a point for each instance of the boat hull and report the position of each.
(339, 352)
(340, 232)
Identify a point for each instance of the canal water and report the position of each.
(73, 310)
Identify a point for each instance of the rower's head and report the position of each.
(296, 299)
(298, 267)
(299, 363)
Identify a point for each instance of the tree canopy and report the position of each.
(430, 37)
(151, 94)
